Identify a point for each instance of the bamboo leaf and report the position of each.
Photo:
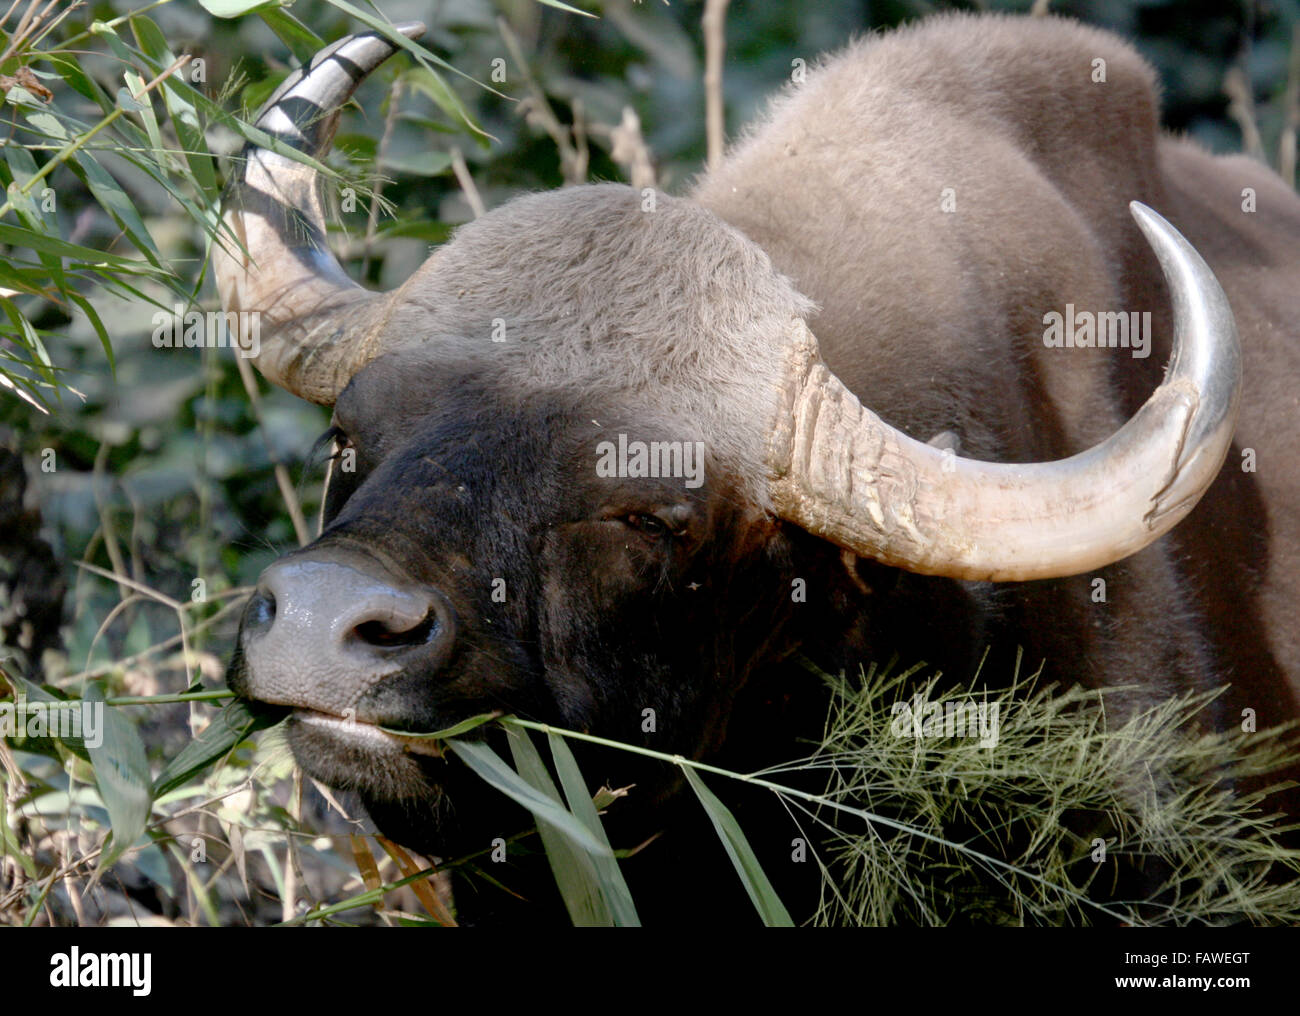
(71, 73)
(559, 5)
(228, 728)
(574, 870)
(434, 86)
(366, 867)
(234, 8)
(23, 167)
(113, 199)
(135, 86)
(182, 101)
(17, 236)
(33, 692)
(423, 55)
(92, 316)
(612, 885)
(301, 40)
(425, 891)
(490, 766)
(122, 775)
(23, 389)
(418, 163)
(761, 894)
(40, 357)
(464, 726)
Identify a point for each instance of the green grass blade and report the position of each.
(766, 902)
(122, 775)
(233, 724)
(612, 885)
(492, 768)
(574, 869)
(464, 726)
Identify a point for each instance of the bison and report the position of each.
(889, 380)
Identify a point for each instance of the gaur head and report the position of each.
(583, 453)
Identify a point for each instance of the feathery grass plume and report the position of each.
(1012, 832)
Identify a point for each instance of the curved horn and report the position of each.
(315, 326)
(843, 474)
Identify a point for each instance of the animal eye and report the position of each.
(341, 444)
(335, 440)
(651, 525)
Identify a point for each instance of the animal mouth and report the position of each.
(350, 754)
(361, 734)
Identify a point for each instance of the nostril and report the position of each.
(384, 635)
(310, 612)
(260, 612)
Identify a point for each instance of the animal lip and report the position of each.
(356, 730)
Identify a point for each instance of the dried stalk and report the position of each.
(715, 45)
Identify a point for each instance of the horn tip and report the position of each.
(1145, 215)
(1160, 232)
(411, 29)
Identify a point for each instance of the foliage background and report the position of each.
(165, 470)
